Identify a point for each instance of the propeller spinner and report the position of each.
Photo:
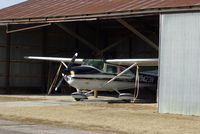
(68, 68)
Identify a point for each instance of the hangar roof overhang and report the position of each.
(43, 11)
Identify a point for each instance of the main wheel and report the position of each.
(127, 101)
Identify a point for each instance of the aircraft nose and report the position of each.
(69, 79)
(65, 76)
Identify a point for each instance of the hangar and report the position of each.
(104, 29)
(90, 32)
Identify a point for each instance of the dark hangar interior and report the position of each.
(133, 35)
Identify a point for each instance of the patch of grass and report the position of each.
(13, 99)
(118, 118)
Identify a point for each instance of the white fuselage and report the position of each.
(98, 81)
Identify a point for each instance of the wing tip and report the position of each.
(26, 57)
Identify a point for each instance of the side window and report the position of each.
(127, 73)
(117, 69)
(111, 69)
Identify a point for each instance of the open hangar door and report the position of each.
(133, 37)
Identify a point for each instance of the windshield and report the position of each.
(97, 63)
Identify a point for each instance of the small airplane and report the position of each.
(103, 75)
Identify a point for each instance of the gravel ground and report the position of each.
(96, 115)
(11, 127)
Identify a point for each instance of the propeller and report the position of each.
(55, 79)
(72, 61)
(59, 83)
(68, 68)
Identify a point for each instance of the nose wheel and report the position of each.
(80, 95)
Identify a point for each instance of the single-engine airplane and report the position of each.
(103, 75)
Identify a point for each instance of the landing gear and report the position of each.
(76, 99)
(127, 101)
(126, 97)
(80, 95)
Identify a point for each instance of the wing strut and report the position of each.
(120, 74)
(137, 85)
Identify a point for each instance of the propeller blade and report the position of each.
(55, 79)
(72, 61)
(59, 83)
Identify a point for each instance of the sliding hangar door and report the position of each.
(179, 86)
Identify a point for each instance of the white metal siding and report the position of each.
(179, 85)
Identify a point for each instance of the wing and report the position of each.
(151, 72)
(139, 62)
(54, 59)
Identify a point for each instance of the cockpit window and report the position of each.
(127, 73)
(115, 69)
(111, 69)
(97, 63)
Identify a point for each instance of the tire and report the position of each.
(77, 99)
(127, 101)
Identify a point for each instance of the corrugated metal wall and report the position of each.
(179, 86)
(12, 61)
(22, 44)
(3, 56)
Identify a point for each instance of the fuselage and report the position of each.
(86, 77)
